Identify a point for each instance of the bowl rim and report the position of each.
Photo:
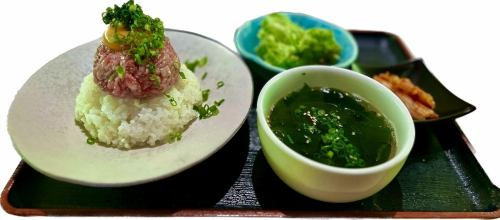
(401, 155)
(257, 59)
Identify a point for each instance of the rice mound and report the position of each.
(127, 122)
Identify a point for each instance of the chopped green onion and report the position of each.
(183, 76)
(220, 84)
(151, 68)
(196, 63)
(203, 61)
(204, 75)
(218, 103)
(176, 136)
(172, 102)
(91, 140)
(329, 154)
(138, 59)
(290, 139)
(120, 71)
(146, 36)
(156, 79)
(170, 99)
(206, 111)
(205, 94)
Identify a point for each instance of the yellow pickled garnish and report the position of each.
(114, 37)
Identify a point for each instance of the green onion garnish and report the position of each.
(90, 140)
(151, 68)
(146, 36)
(120, 71)
(220, 84)
(172, 102)
(183, 76)
(156, 79)
(205, 94)
(206, 111)
(170, 99)
(176, 136)
(196, 63)
(218, 103)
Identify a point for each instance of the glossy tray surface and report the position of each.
(441, 177)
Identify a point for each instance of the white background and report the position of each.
(459, 41)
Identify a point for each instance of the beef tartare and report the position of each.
(137, 81)
(135, 59)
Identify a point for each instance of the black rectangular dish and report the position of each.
(441, 177)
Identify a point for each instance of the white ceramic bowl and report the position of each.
(320, 181)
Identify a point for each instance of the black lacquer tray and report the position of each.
(441, 177)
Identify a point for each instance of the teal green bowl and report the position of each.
(246, 40)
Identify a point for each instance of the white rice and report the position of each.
(129, 123)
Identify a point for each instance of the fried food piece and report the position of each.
(418, 110)
(420, 103)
